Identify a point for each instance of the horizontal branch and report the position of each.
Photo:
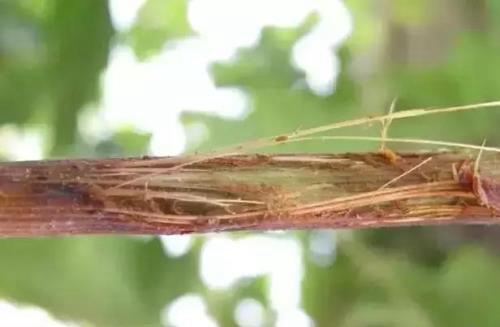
(245, 192)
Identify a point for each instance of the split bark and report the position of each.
(245, 192)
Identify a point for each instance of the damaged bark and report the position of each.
(176, 195)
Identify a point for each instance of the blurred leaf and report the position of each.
(51, 59)
(124, 143)
(365, 287)
(20, 70)
(108, 281)
(20, 94)
(429, 253)
(158, 21)
(133, 143)
(458, 83)
(328, 293)
(469, 288)
(37, 8)
(373, 314)
(78, 40)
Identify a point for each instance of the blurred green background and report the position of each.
(92, 78)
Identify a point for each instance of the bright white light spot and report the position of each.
(322, 246)
(335, 21)
(230, 24)
(196, 132)
(295, 318)
(135, 95)
(215, 253)
(21, 143)
(224, 261)
(151, 95)
(229, 102)
(318, 62)
(224, 22)
(249, 313)
(20, 316)
(176, 245)
(286, 274)
(187, 311)
(123, 13)
(314, 52)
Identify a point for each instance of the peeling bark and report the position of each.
(244, 192)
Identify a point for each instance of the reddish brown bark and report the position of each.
(240, 192)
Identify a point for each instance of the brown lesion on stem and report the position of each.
(485, 189)
(238, 192)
